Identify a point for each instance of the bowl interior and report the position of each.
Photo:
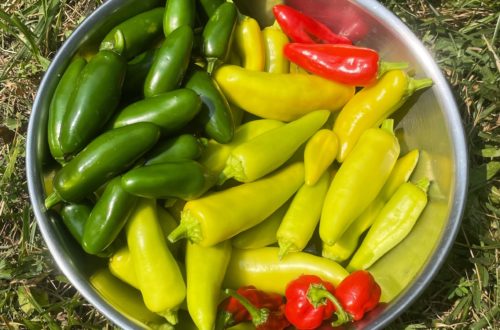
(429, 122)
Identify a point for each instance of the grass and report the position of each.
(463, 35)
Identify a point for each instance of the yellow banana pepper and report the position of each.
(250, 44)
(274, 41)
(319, 154)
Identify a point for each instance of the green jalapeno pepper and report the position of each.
(266, 152)
(358, 180)
(92, 167)
(210, 6)
(74, 216)
(263, 269)
(178, 13)
(263, 234)
(59, 106)
(93, 101)
(250, 204)
(177, 148)
(205, 270)
(160, 279)
(302, 217)
(348, 242)
(392, 225)
(108, 217)
(170, 63)
(170, 111)
(139, 32)
(218, 34)
(215, 115)
(183, 179)
(135, 76)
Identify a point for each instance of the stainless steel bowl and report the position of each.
(431, 123)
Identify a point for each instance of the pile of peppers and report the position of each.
(221, 132)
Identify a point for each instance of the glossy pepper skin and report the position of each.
(59, 104)
(348, 242)
(74, 216)
(135, 76)
(215, 115)
(280, 96)
(268, 151)
(182, 179)
(262, 268)
(108, 217)
(347, 64)
(358, 181)
(93, 101)
(392, 225)
(305, 29)
(210, 6)
(171, 111)
(358, 294)
(177, 148)
(249, 44)
(92, 167)
(319, 154)
(200, 218)
(139, 32)
(170, 63)
(310, 300)
(274, 42)
(205, 270)
(178, 13)
(159, 277)
(218, 34)
(370, 106)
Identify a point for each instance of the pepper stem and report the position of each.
(317, 294)
(188, 228)
(383, 67)
(211, 62)
(418, 84)
(388, 125)
(285, 247)
(171, 316)
(259, 315)
(118, 44)
(423, 184)
(52, 200)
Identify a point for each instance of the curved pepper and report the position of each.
(210, 6)
(159, 277)
(274, 42)
(74, 216)
(305, 29)
(358, 181)
(178, 13)
(171, 111)
(218, 34)
(263, 234)
(108, 217)
(346, 245)
(262, 268)
(319, 154)
(278, 95)
(251, 203)
(91, 168)
(268, 151)
(302, 217)
(139, 33)
(392, 225)
(170, 63)
(216, 154)
(250, 44)
(347, 64)
(178, 148)
(182, 179)
(93, 101)
(59, 106)
(215, 115)
(205, 270)
(370, 106)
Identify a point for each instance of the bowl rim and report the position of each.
(444, 97)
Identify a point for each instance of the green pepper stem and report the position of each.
(423, 184)
(383, 67)
(317, 294)
(188, 228)
(211, 63)
(52, 200)
(285, 247)
(388, 125)
(259, 315)
(118, 44)
(171, 316)
(418, 84)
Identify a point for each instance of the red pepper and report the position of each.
(305, 29)
(346, 64)
(272, 318)
(310, 300)
(358, 293)
(232, 312)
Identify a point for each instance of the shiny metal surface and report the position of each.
(432, 124)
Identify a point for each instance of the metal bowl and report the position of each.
(431, 123)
